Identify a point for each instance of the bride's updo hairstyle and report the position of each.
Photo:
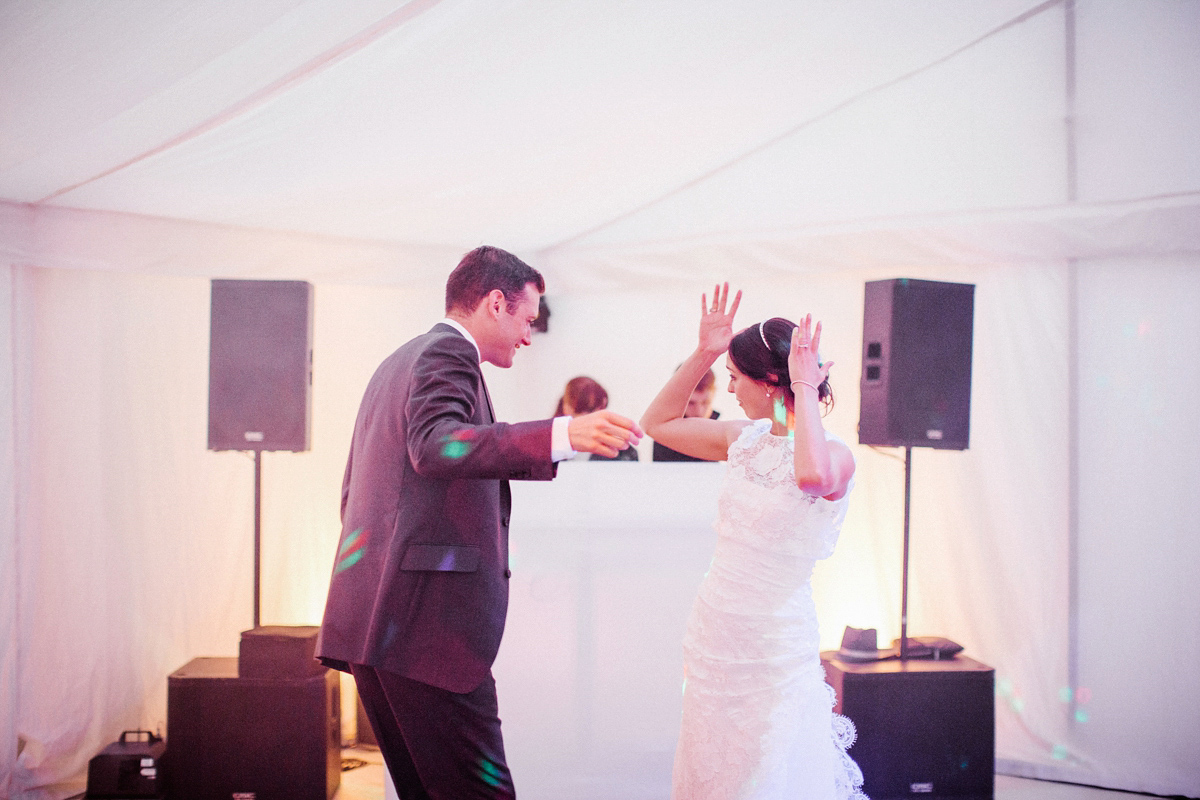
(761, 353)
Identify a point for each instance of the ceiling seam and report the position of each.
(1171, 200)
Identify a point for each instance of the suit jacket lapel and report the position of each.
(488, 397)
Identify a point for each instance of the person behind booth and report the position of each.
(699, 405)
(583, 395)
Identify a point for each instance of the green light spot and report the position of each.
(349, 561)
(1081, 716)
(455, 450)
(1064, 694)
(1018, 705)
(489, 773)
(1059, 752)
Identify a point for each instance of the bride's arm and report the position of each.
(664, 421)
(823, 468)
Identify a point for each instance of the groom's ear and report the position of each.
(495, 302)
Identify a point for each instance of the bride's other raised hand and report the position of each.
(803, 358)
(664, 420)
(716, 326)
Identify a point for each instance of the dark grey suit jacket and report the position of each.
(420, 581)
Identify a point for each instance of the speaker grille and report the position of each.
(260, 365)
(271, 738)
(916, 379)
(925, 728)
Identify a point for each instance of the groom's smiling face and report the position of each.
(510, 330)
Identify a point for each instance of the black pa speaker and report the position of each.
(926, 729)
(286, 652)
(229, 736)
(916, 367)
(260, 365)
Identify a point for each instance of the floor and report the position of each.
(366, 783)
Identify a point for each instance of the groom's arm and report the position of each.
(443, 440)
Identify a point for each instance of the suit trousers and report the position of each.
(437, 744)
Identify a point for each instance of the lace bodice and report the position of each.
(761, 504)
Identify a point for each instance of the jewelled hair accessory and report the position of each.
(762, 335)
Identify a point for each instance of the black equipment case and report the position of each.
(127, 769)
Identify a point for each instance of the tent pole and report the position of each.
(1072, 176)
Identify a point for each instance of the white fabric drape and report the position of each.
(135, 546)
(637, 157)
(1138, 544)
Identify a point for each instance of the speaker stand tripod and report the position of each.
(258, 533)
(904, 581)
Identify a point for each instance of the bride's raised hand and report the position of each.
(803, 357)
(716, 326)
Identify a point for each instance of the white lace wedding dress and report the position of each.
(757, 714)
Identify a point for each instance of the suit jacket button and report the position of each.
(508, 573)
(504, 521)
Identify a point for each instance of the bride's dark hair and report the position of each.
(761, 353)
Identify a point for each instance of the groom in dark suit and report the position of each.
(419, 591)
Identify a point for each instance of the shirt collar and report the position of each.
(466, 333)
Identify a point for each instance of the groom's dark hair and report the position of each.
(487, 268)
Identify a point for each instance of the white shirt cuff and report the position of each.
(560, 440)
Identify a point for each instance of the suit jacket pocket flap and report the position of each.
(441, 558)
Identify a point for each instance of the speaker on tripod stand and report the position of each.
(260, 377)
(926, 728)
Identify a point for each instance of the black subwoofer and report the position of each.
(916, 366)
(260, 365)
(229, 736)
(926, 729)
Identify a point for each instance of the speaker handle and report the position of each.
(150, 737)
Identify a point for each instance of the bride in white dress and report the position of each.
(757, 713)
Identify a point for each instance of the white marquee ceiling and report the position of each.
(379, 136)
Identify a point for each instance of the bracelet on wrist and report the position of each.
(806, 383)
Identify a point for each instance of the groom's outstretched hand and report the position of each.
(603, 433)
